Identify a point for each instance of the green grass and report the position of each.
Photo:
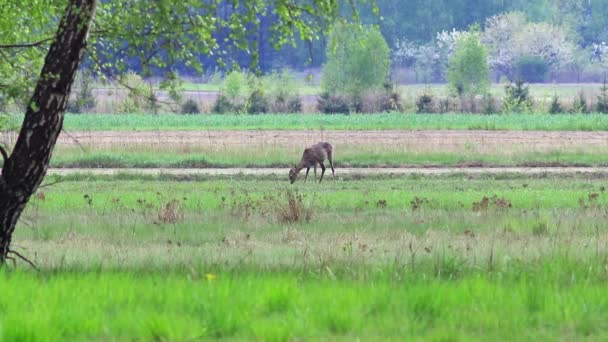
(389, 305)
(385, 258)
(526, 122)
(356, 157)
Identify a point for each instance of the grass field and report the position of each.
(433, 258)
(384, 156)
(392, 121)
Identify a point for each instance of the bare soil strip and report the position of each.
(423, 140)
(342, 171)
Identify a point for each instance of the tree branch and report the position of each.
(25, 45)
(20, 256)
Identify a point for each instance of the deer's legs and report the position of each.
(333, 172)
(305, 177)
(322, 172)
(315, 166)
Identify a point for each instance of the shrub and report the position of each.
(517, 98)
(190, 107)
(235, 92)
(556, 106)
(222, 105)
(580, 104)
(283, 91)
(489, 104)
(424, 103)
(140, 96)
(358, 59)
(602, 99)
(83, 100)
(468, 70)
(257, 102)
(333, 104)
(531, 69)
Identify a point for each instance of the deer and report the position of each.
(313, 155)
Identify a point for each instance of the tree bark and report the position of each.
(24, 170)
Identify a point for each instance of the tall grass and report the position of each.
(387, 304)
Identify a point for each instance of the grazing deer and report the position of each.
(315, 154)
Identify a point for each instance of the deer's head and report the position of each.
(293, 173)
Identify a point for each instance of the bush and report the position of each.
(531, 69)
(424, 103)
(223, 105)
(190, 107)
(517, 98)
(257, 102)
(489, 104)
(602, 99)
(580, 104)
(358, 60)
(556, 106)
(283, 91)
(140, 96)
(333, 104)
(468, 70)
(83, 100)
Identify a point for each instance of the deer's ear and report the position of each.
(295, 166)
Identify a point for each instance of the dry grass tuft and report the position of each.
(493, 202)
(171, 212)
(292, 208)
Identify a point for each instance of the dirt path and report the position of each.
(344, 171)
(423, 140)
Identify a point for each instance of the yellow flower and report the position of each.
(210, 276)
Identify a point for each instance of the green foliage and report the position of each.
(580, 104)
(83, 100)
(468, 70)
(517, 98)
(531, 69)
(489, 104)
(333, 104)
(424, 103)
(358, 60)
(257, 103)
(602, 99)
(283, 91)
(140, 97)
(190, 107)
(236, 86)
(556, 106)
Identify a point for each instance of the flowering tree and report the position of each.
(511, 37)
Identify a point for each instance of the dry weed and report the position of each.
(292, 208)
(171, 212)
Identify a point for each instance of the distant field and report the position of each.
(252, 258)
(525, 122)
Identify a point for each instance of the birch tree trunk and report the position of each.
(24, 170)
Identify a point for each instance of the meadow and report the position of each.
(446, 257)
(523, 122)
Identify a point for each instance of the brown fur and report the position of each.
(313, 155)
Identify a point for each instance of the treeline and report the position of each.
(417, 21)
